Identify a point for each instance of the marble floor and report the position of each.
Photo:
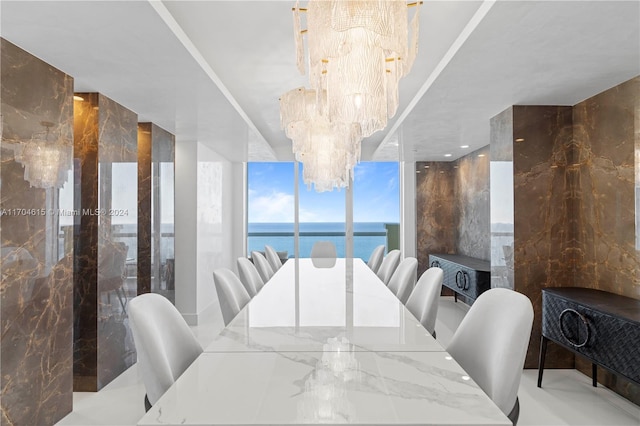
(566, 399)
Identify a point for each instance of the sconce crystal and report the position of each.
(46, 163)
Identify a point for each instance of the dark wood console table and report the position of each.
(600, 326)
(464, 275)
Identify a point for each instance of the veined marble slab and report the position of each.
(303, 306)
(304, 339)
(296, 388)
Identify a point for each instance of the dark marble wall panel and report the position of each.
(436, 210)
(605, 138)
(85, 315)
(156, 153)
(472, 195)
(143, 267)
(106, 239)
(36, 287)
(542, 138)
(605, 142)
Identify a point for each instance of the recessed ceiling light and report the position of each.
(447, 155)
(519, 139)
(78, 98)
(480, 155)
(426, 167)
(464, 146)
(466, 378)
(417, 171)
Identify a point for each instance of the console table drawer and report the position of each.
(598, 325)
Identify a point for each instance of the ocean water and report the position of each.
(367, 235)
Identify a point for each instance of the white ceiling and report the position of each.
(212, 71)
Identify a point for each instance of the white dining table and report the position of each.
(324, 345)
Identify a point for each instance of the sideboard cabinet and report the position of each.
(600, 326)
(464, 275)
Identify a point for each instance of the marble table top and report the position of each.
(324, 346)
(296, 388)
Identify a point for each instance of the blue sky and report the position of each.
(271, 195)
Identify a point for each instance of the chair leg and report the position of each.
(515, 413)
(147, 404)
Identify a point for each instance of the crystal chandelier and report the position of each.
(357, 52)
(46, 163)
(329, 151)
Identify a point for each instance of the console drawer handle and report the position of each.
(459, 280)
(584, 322)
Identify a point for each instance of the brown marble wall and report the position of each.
(604, 253)
(574, 210)
(105, 239)
(436, 210)
(452, 207)
(144, 208)
(542, 146)
(604, 145)
(36, 287)
(156, 153)
(472, 189)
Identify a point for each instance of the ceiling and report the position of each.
(212, 71)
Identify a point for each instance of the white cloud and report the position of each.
(274, 207)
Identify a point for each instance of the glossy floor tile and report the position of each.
(567, 397)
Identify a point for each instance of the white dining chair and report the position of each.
(376, 258)
(388, 266)
(262, 265)
(231, 293)
(272, 258)
(249, 276)
(323, 254)
(423, 301)
(164, 343)
(404, 278)
(491, 343)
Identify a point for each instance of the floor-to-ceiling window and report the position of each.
(271, 203)
(322, 216)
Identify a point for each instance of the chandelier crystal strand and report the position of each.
(297, 37)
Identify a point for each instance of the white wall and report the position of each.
(408, 208)
(186, 160)
(209, 224)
